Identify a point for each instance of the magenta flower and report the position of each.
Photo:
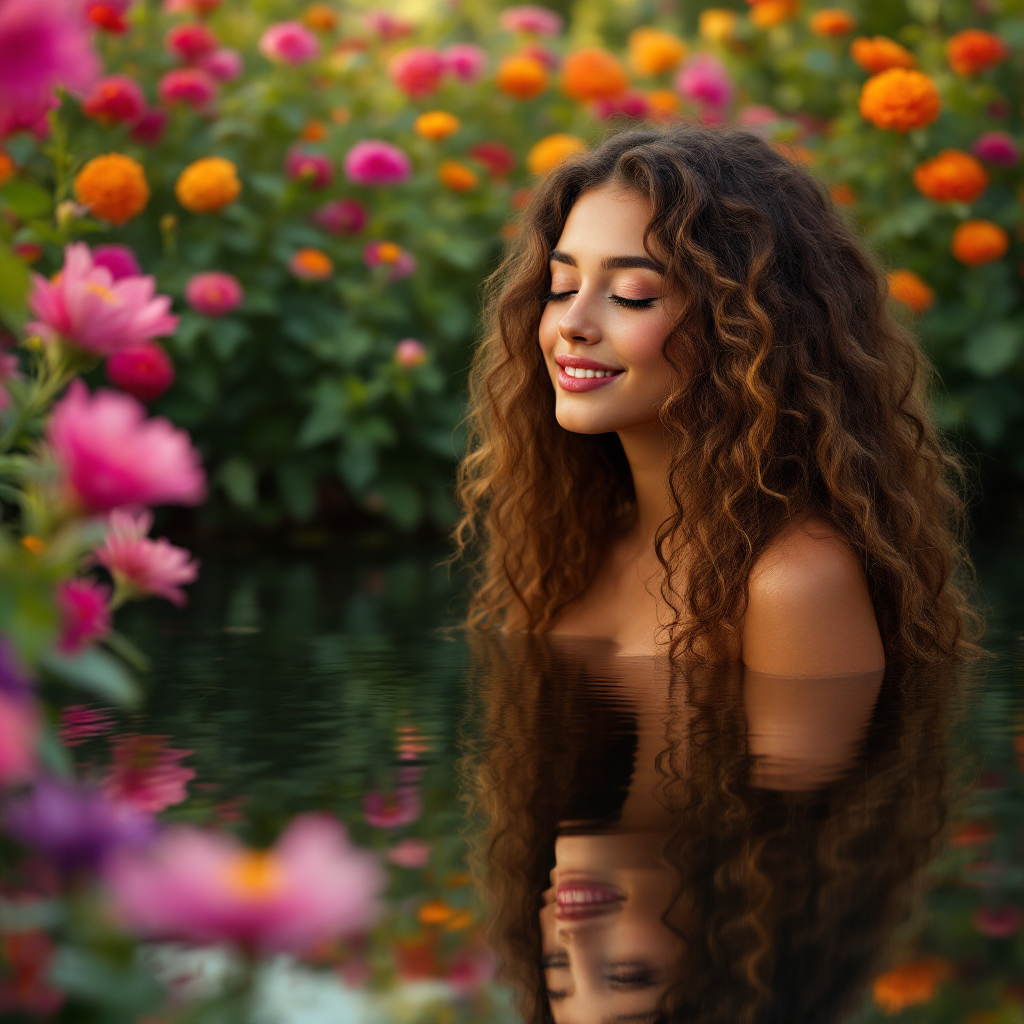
(341, 217)
(758, 118)
(373, 162)
(149, 128)
(116, 99)
(543, 55)
(146, 774)
(192, 87)
(79, 723)
(288, 42)
(19, 731)
(109, 15)
(499, 160)
(86, 307)
(417, 71)
(392, 810)
(190, 42)
(141, 566)
(998, 922)
(465, 61)
(629, 104)
(225, 65)
(409, 353)
(315, 169)
(997, 148)
(201, 887)
(84, 609)
(386, 25)
(214, 293)
(110, 455)
(532, 19)
(704, 79)
(42, 46)
(143, 370)
(118, 259)
(379, 254)
(409, 853)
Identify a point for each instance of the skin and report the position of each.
(809, 612)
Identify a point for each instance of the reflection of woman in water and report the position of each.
(695, 421)
(745, 862)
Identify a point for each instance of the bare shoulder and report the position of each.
(808, 610)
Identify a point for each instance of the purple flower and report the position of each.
(341, 217)
(704, 79)
(997, 148)
(118, 259)
(465, 61)
(74, 825)
(373, 162)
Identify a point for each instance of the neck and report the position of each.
(648, 451)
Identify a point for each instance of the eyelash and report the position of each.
(632, 979)
(617, 299)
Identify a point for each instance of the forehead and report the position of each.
(606, 221)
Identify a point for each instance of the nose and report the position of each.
(576, 325)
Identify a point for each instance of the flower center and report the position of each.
(104, 293)
(254, 875)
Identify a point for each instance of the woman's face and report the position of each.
(605, 321)
(607, 955)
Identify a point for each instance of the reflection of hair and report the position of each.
(785, 901)
(801, 395)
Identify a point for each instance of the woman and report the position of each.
(696, 425)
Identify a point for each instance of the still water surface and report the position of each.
(724, 847)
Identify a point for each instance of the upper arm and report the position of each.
(809, 612)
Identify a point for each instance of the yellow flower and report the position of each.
(652, 52)
(717, 24)
(547, 154)
(208, 185)
(113, 187)
(436, 125)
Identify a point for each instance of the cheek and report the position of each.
(642, 345)
(548, 331)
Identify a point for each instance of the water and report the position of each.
(733, 848)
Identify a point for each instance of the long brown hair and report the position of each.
(803, 395)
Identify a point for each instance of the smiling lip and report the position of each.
(578, 362)
(576, 901)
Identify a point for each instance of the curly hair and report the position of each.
(787, 902)
(803, 395)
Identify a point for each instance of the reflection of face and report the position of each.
(606, 308)
(609, 959)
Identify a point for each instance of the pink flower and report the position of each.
(392, 810)
(998, 922)
(193, 87)
(149, 128)
(42, 45)
(465, 61)
(201, 887)
(288, 42)
(19, 730)
(84, 607)
(417, 71)
(146, 774)
(542, 55)
(190, 42)
(118, 259)
(143, 370)
(409, 353)
(410, 853)
(401, 262)
(341, 217)
(109, 15)
(997, 148)
(531, 19)
(87, 308)
(758, 117)
(471, 970)
(373, 162)
(116, 99)
(499, 160)
(314, 169)
(704, 79)
(629, 104)
(79, 723)
(110, 455)
(200, 8)
(141, 566)
(225, 65)
(389, 27)
(214, 293)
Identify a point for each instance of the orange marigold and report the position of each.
(435, 912)
(717, 24)
(593, 74)
(313, 131)
(547, 154)
(320, 17)
(7, 167)
(843, 195)
(113, 187)
(653, 52)
(521, 77)
(979, 241)
(900, 100)
(973, 50)
(458, 177)
(910, 984)
(832, 21)
(880, 53)
(951, 176)
(311, 264)
(905, 286)
(663, 104)
(208, 185)
(436, 125)
(769, 13)
(793, 152)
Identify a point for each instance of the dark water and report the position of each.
(727, 847)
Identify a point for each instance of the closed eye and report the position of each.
(619, 300)
(555, 296)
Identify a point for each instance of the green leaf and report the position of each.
(238, 478)
(402, 503)
(95, 671)
(298, 490)
(27, 199)
(13, 287)
(227, 336)
(992, 349)
(357, 462)
(122, 646)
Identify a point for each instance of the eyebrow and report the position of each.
(611, 262)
